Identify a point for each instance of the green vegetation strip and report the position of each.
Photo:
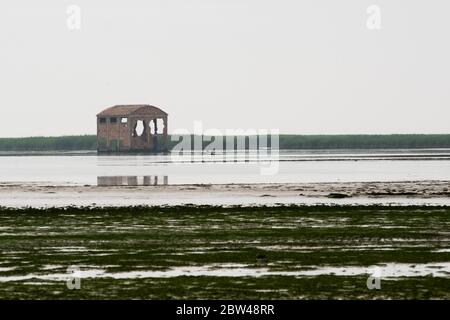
(406, 141)
(285, 238)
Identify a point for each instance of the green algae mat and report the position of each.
(204, 252)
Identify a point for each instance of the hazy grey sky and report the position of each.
(300, 66)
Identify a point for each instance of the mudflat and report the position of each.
(207, 252)
(41, 194)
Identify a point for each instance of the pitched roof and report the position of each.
(135, 109)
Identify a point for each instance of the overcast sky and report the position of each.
(307, 67)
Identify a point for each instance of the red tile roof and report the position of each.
(127, 110)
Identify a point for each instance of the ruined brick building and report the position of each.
(132, 128)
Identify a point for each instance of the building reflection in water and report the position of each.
(105, 181)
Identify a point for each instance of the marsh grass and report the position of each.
(286, 141)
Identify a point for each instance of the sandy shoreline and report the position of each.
(405, 193)
(419, 189)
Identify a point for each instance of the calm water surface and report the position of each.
(289, 167)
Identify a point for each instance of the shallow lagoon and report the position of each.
(293, 167)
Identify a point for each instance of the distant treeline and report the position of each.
(89, 142)
(394, 141)
(86, 142)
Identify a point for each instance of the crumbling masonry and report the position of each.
(132, 128)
